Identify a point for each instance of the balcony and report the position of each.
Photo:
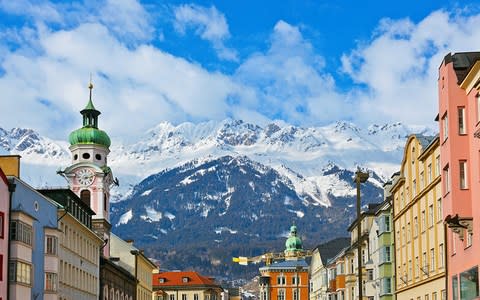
(340, 281)
(351, 277)
(332, 285)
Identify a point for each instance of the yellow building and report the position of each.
(417, 219)
(134, 261)
(79, 251)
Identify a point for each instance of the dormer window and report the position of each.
(184, 279)
(161, 280)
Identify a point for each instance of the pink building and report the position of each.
(4, 209)
(459, 121)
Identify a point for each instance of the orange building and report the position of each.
(287, 279)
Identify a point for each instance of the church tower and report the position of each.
(89, 175)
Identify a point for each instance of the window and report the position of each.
(463, 174)
(85, 197)
(385, 254)
(184, 296)
(446, 179)
(195, 296)
(469, 238)
(171, 297)
(414, 188)
(478, 108)
(51, 282)
(370, 274)
(424, 260)
(461, 120)
(281, 295)
(426, 297)
(444, 295)
(2, 219)
(263, 295)
(386, 286)
(455, 287)
(469, 284)
(431, 218)
(445, 126)
(184, 279)
(429, 170)
(281, 280)
(51, 244)
(437, 166)
(161, 280)
(21, 232)
(105, 205)
(86, 155)
(439, 210)
(409, 270)
(424, 222)
(432, 259)
(454, 243)
(408, 233)
(19, 272)
(295, 294)
(417, 267)
(422, 180)
(441, 258)
(434, 296)
(415, 226)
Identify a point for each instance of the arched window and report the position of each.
(105, 292)
(85, 197)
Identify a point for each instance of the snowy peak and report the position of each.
(31, 145)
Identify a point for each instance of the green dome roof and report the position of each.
(293, 243)
(89, 135)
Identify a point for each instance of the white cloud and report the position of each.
(209, 24)
(137, 85)
(399, 66)
(290, 79)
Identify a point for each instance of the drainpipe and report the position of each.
(11, 190)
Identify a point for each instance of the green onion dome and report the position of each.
(293, 243)
(89, 135)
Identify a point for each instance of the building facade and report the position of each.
(417, 221)
(287, 279)
(185, 286)
(4, 229)
(79, 247)
(134, 261)
(322, 255)
(459, 116)
(33, 267)
(381, 249)
(351, 256)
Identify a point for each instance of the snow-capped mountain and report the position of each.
(290, 150)
(215, 189)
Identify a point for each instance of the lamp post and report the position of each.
(360, 177)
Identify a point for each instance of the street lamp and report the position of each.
(360, 177)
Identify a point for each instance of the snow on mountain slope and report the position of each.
(297, 153)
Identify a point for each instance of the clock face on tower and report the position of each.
(85, 176)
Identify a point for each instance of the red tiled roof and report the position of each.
(176, 279)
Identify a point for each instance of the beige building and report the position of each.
(351, 259)
(135, 262)
(79, 250)
(417, 219)
(319, 276)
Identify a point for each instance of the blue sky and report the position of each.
(307, 63)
